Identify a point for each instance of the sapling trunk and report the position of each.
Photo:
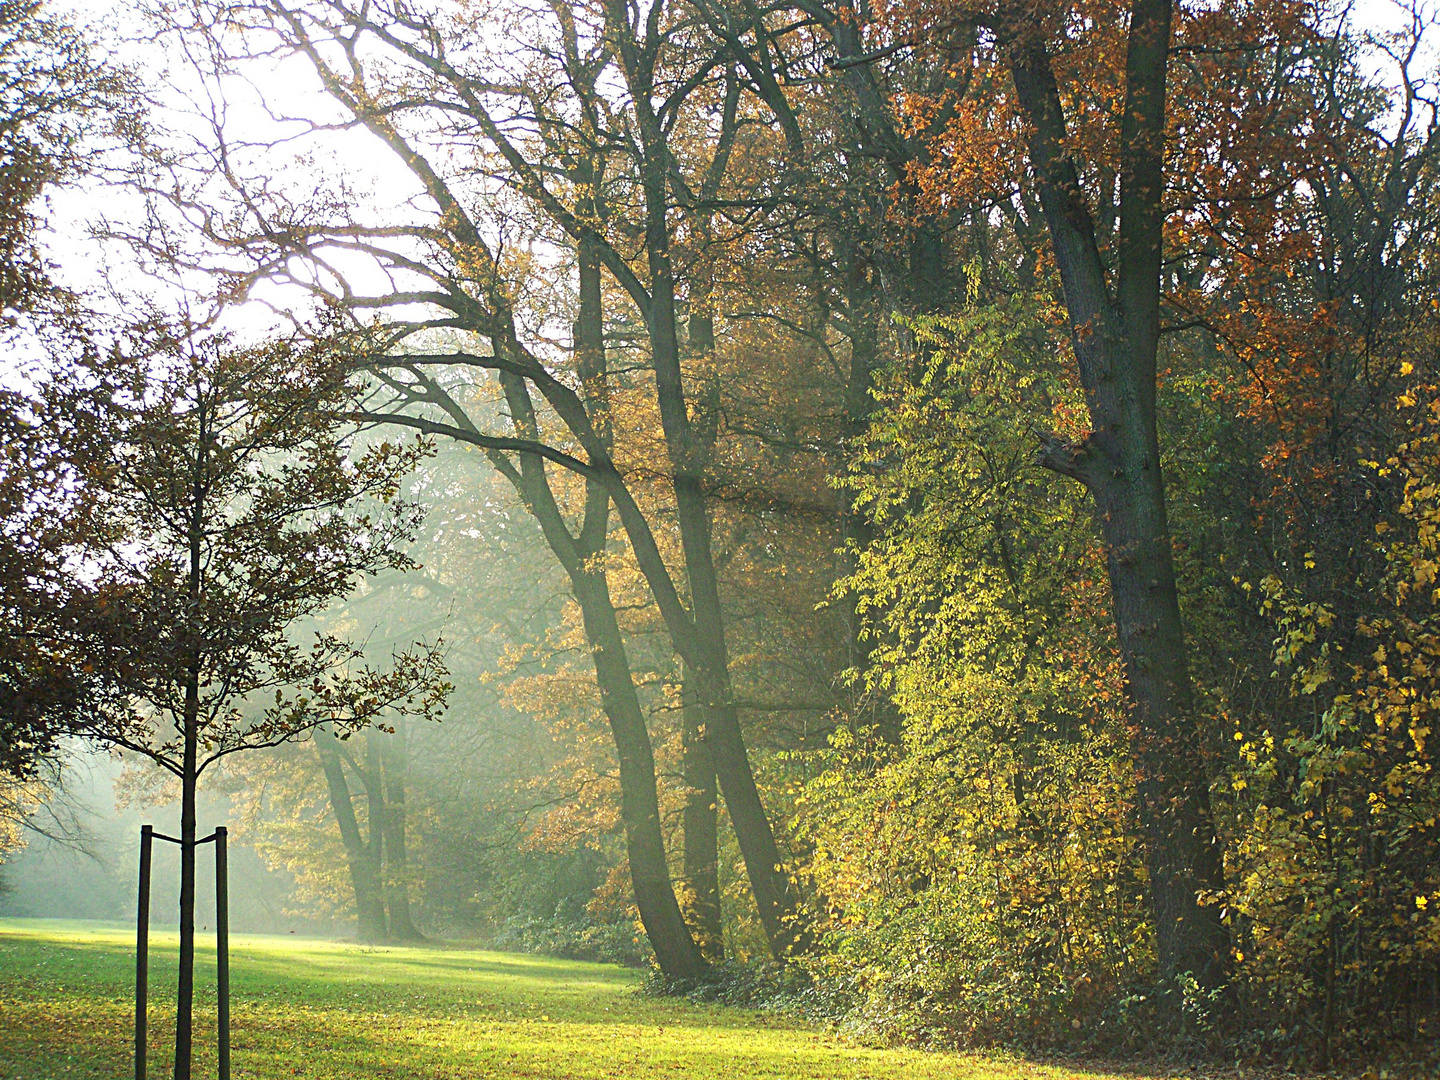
(185, 990)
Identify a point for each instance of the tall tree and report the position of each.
(1113, 302)
(361, 853)
(475, 292)
(1074, 111)
(394, 762)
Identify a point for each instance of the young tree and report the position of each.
(233, 503)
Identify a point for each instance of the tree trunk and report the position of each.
(675, 948)
(1174, 797)
(394, 760)
(769, 881)
(1115, 335)
(375, 813)
(701, 865)
(190, 764)
(702, 857)
(764, 866)
(704, 640)
(369, 902)
(185, 991)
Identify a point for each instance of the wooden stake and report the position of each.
(222, 948)
(142, 951)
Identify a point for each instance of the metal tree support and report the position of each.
(222, 945)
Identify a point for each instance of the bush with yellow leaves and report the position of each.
(1336, 865)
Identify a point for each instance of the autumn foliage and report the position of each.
(937, 503)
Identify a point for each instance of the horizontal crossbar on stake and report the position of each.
(176, 840)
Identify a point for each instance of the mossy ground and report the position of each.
(323, 1010)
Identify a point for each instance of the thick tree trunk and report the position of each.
(1182, 856)
(704, 646)
(709, 659)
(369, 901)
(702, 854)
(764, 866)
(1115, 329)
(675, 948)
(395, 761)
(375, 814)
(1120, 464)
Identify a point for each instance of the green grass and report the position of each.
(328, 1010)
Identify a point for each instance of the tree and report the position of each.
(472, 289)
(363, 853)
(376, 859)
(57, 100)
(1086, 101)
(233, 503)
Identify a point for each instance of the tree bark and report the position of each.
(1115, 338)
(375, 814)
(394, 759)
(185, 990)
(675, 949)
(702, 642)
(709, 657)
(700, 821)
(588, 422)
(700, 818)
(190, 734)
(369, 902)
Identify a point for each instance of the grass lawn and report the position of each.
(329, 1010)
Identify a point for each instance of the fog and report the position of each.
(90, 870)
